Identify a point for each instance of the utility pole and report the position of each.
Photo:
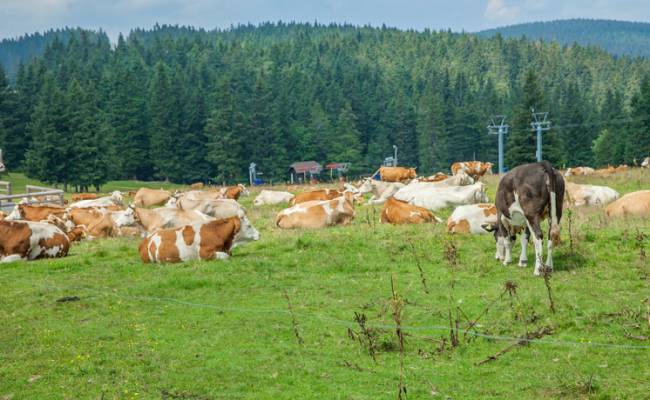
(395, 155)
(498, 127)
(252, 173)
(540, 123)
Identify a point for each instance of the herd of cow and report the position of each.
(208, 223)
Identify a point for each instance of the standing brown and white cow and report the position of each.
(525, 196)
(475, 169)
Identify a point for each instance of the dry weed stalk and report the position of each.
(418, 264)
(397, 305)
(451, 255)
(294, 321)
(546, 273)
(368, 334)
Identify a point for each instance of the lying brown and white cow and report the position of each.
(475, 169)
(525, 196)
(35, 213)
(611, 170)
(401, 212)
(396, 174)
(102, 222)
(318, 214)
(635, 204)
(27, 240)
(437, 177)
(315, 195)
(84, 196)
(205, 241)
(579, 171)
(589, 195)
(234, 192)
(272, 197)
(471, 218)
(146, 197)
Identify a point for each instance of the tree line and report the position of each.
(185, 105)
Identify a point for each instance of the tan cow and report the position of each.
(635, 204)
(471, 218)
(145, 197)
(475, 169)
(2, 215)
(205, 241)
(318, 214)
(579, 171)
(28, 240)
(610, 170)
(102, 222)
(400, 212)
(84, 196)
(35, 212)
(315, 195)
(396, 174)
(197, 186)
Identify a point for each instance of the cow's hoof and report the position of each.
(537, 272)
(523, 263)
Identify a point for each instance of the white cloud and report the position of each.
(500, 11)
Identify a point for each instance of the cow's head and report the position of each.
(247, 231)
(244, 191)
(15, 214)
(172, 202)
(117, 197)
(412, 173)
(124, 218)
(366, 186)
(488, 168)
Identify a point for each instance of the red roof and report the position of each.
(306, 166)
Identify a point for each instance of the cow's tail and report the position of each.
(552, 185)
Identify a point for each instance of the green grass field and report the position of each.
(223, 330)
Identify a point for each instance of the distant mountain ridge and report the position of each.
(22, 49)
(621, 38)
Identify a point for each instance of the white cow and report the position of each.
(272, 197)
(115, 199)
(436, 197)
(590, 195)
(646, 163)
(471, 218)
(460, 179)
(381, 191)
(216, 208)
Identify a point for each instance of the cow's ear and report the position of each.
(489, 227)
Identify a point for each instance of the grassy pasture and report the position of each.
(213, 330)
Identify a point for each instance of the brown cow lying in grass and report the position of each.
(400, 212)
(318, 214)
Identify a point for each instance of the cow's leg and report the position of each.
(12, 258)
(523, 258)
(549, 249)
(507, 245)
(538, 240)
(500, 249)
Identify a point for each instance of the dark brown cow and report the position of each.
(525, 196)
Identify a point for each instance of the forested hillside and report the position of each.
(187, 105)
(24, 48)
(617, 37)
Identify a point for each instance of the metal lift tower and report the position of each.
(540, 123)
(498, 127)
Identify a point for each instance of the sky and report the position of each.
(114, 16)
